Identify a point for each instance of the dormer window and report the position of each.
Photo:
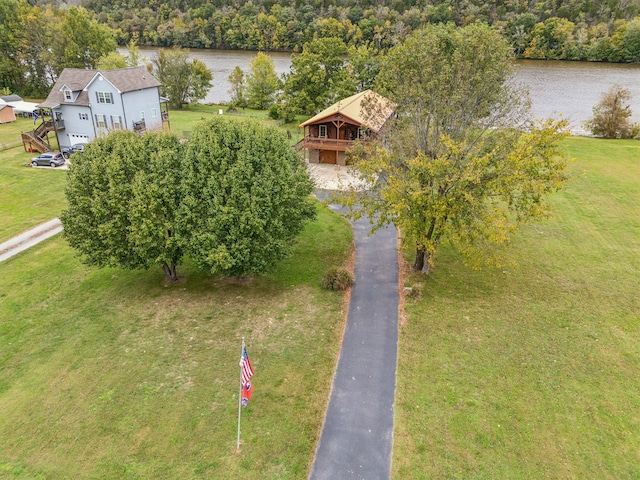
(68, 95)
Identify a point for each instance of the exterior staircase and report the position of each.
(36, 140)
(33, 143)
(299, 145)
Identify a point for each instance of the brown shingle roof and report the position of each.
(130, 79)
(77, 79)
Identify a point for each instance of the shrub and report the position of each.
(337, 279)
(611, 117)
(274, 113)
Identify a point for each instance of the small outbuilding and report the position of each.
(6, 112)
(330, 133)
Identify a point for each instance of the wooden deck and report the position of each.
(322, 143)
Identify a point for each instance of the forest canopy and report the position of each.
(40, 38)
(572, 30)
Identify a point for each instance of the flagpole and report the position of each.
(240, 397)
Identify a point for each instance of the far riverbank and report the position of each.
(556, 87)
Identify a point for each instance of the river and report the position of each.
(570, 89)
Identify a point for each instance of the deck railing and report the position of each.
(323, 143)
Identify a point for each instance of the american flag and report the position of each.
(247, 371)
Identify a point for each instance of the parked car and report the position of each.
(48, 159)
(68, 151)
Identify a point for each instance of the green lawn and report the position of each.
(527, 371)
(111, 374)
(533, 370)
(183, 121)
(29, 196)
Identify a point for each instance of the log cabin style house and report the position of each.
(330, 133)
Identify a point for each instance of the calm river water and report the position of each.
(556, 87)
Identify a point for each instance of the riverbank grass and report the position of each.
(183, 121)
(112, 374)
(531, 370)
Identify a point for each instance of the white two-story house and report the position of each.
(85, 104)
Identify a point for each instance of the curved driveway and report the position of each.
(357, 434)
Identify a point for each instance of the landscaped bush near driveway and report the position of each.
(337, 278)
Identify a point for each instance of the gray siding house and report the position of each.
(85, 104)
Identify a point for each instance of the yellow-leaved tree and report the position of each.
(460, 159)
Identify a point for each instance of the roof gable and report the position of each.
(98, 77)
(78, 79)
(365, 108)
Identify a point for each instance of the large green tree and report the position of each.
(79, 41)
(460, 161)
(233, 199)
(123, 197)
(319, 76)
(246, 197)
(262, 82)
(11, 69)
(238, 86)
(183, 80)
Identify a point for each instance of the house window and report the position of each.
(142, 115)
(83, 116)
(67, 95)
(104, 97)
(322, 131)
(116, 122)
(154, 113)
(101, 121)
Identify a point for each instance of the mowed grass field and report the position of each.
(28, 196)
(527, 371)
(112, 374)
(533, 370)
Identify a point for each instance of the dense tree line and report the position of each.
(37, 43)
(573, 29)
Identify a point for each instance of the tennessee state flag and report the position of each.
(247, 373)
(247, 390)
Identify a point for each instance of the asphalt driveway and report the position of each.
(357, 434)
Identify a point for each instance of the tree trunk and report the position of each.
(427, 263)
(421, 263)
(418, 265)
(170, 272)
